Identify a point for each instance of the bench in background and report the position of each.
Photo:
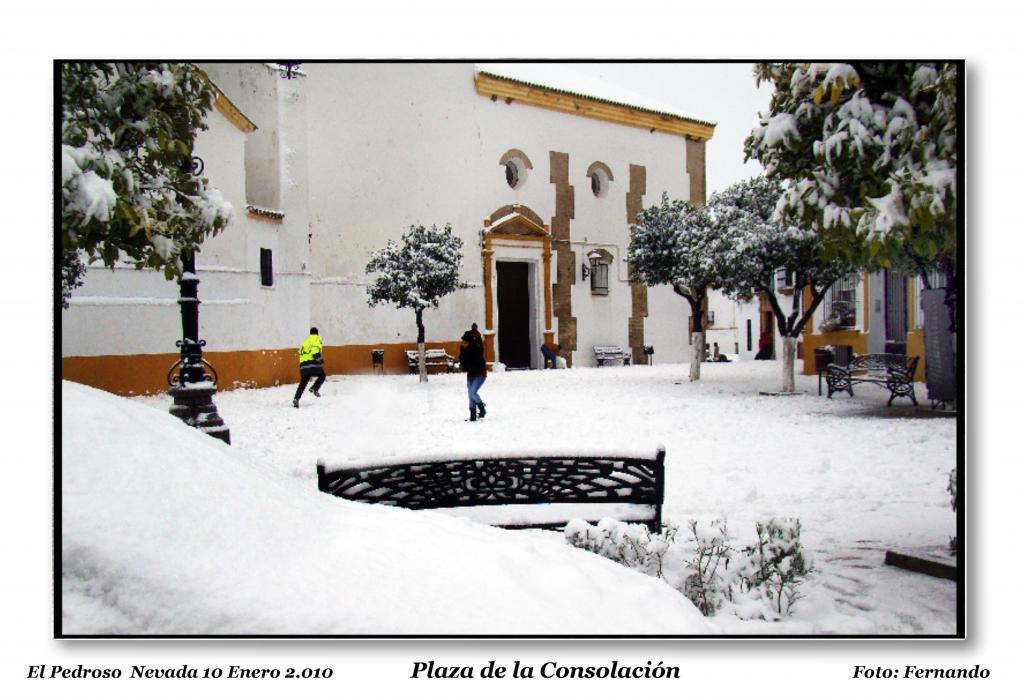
(517, 491)
(611, 353)
(893, 371)
(434, 358)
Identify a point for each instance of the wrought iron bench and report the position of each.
(432, 358)
(893, 371)
(514, 492)
(611, 353)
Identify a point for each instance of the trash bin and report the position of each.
(377, 356)
(823, 356)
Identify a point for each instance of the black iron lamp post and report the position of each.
(191, 386)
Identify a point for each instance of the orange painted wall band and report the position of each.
(140, 374)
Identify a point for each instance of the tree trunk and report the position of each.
(695, 297)
(697, 341)
(420, 341)
(788, 364)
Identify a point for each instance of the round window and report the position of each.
(599, 179)
(512, 174)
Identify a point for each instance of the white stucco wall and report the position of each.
(748, 312)
(353, 154)
(126, 311)
(393, 145)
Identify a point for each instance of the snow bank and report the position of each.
(167, 531)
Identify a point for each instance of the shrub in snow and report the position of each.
(954, 501)
(760, 581)
(632, 545)
(708, 586)
(776, 565)
(954, 498)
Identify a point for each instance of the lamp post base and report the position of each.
(193, 404)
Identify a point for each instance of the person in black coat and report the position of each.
(471, 359)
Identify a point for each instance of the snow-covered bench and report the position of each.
(432, 358)
(610, 353)
(511, 491)
(893, 371)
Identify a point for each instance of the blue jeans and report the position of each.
(549, 356)
(473, 384)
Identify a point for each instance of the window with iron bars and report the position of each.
(841, 304)
(784, 280)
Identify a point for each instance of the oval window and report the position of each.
(512, 174)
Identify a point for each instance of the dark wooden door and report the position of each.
(514, 314)
(895, 313)
(768, 326)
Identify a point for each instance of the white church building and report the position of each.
(538, 172)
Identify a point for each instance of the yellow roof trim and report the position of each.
(227, 108)
(231, 112)
(548, 98)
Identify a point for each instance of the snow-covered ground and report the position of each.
(168, 531)
(860, 480)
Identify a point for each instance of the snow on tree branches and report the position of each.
(417, 274)
(758, 247)
(868, 152)
(677, 243)
(735, 245)
(127, 186)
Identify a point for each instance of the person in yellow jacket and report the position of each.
(311, 363)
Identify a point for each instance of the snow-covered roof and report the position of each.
(561, 78)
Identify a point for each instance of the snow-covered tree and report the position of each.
(128, 191)
(676, 243)
(759, 248)
(417, 274)
(868, 154)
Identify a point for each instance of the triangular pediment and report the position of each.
(516, 220)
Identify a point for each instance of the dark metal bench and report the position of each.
(437, 358)
(511, 482)
(893, 371)
(611, 353)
